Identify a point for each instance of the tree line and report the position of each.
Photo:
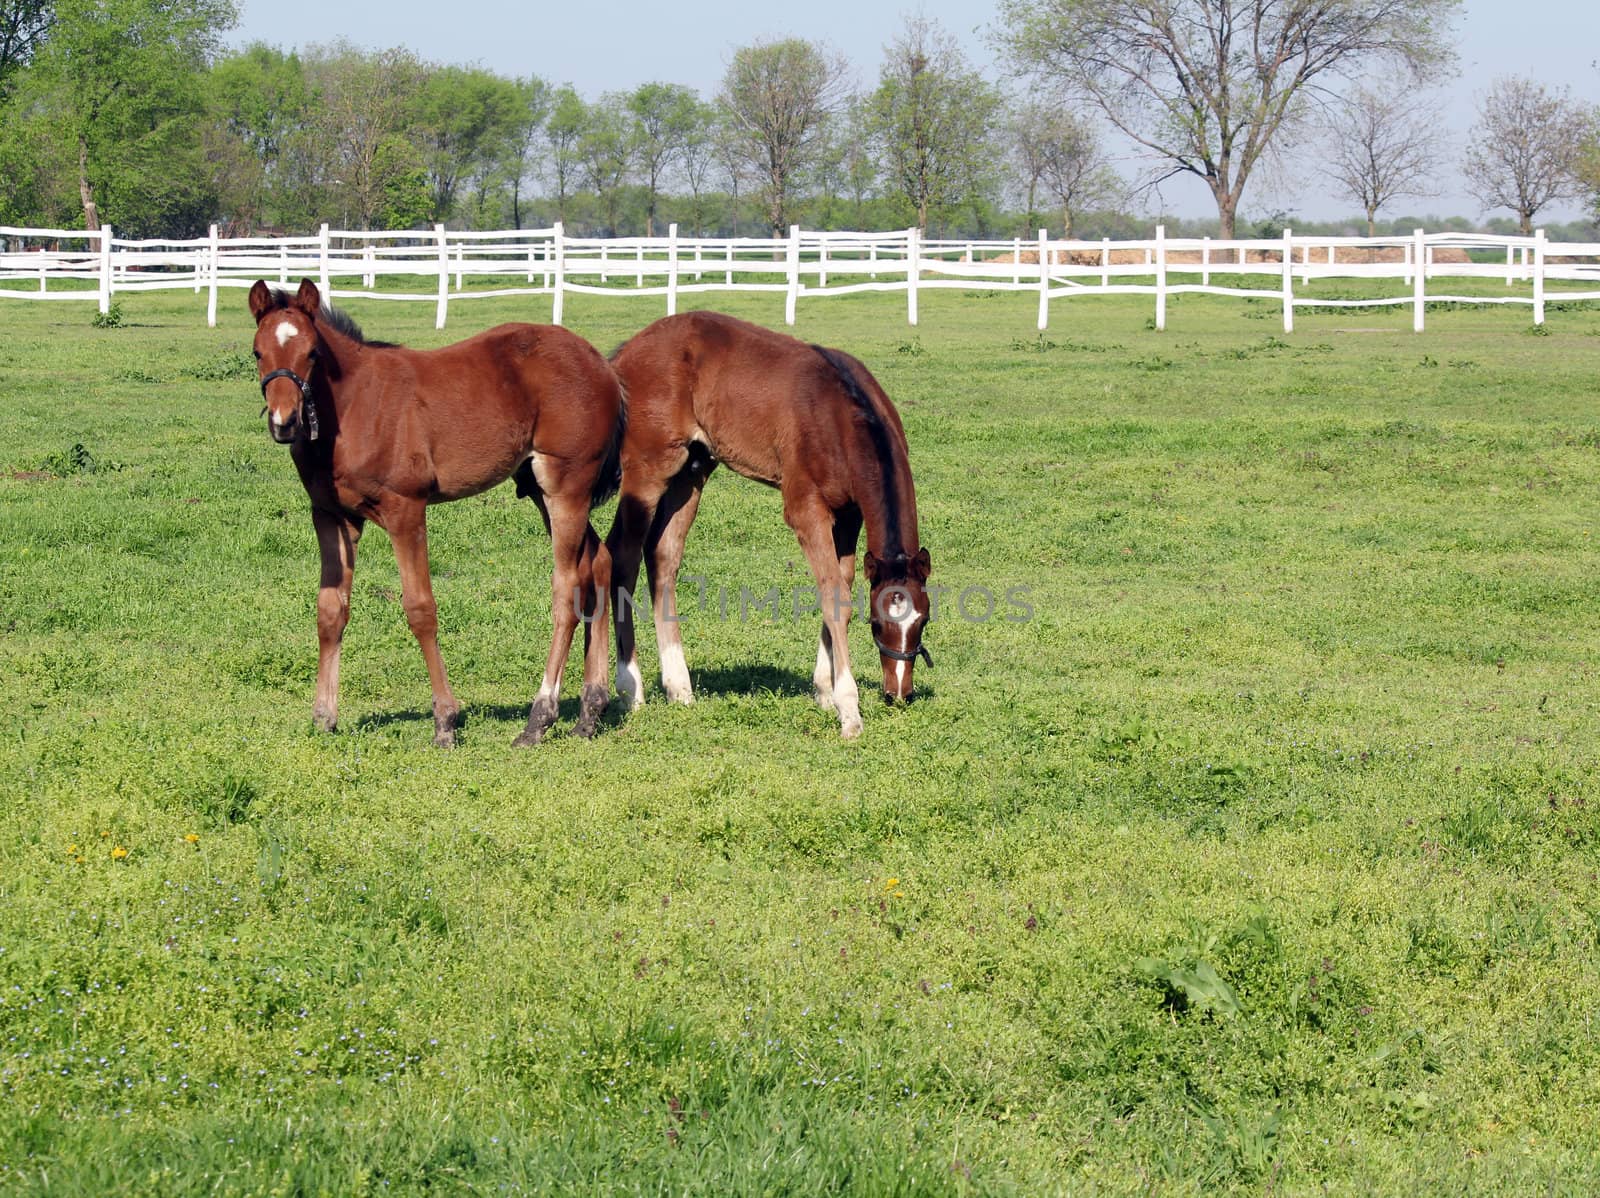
(134, 112)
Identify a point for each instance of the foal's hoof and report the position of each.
(540, 716)
(323, 721)
(595, 699)
(823, 699)
(850, 729)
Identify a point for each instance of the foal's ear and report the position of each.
(308, 299)
(872, 566)
(263, 299)
(921, 566)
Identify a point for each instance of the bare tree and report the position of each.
(1067, 160)
(779, 95)
(1382, 144)
(1208, 86)
(1526, 148)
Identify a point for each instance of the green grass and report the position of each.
(1262, 859)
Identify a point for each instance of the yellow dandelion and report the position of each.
(192, 837)
(103, 835)
(891, 883)
(72, 850)
(118, 853)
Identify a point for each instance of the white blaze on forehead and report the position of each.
(286, 332)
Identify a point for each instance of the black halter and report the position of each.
(921, 651)
(306, 402)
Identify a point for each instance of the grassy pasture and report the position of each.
(1262, 858)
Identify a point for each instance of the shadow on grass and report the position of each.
(751, 680)
(491, 713)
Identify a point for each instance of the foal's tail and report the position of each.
(609, 480)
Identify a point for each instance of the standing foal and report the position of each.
(378, 432)
(705, 388)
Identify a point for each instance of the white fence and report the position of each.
(66, 264)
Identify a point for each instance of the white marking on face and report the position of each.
(286, 332)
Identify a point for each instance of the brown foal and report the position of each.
(705, 388)
(378, 432)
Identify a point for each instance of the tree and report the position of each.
(465, 120)
(563, 131)
(23, 27)
(1381, 144)
(1072, 163)
(533, 106)
(1526, 148)
(606, 152)
(120, 80)
(697, 158)
(366, 101)
(1210, 86)
(779, 95)
(664, 115)
(261, 103)
(933, 117)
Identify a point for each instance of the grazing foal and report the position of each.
(705, 388)
(378, 432)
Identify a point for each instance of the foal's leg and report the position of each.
(636, 509)
(336, 539)
(663, 556)
(846, 531)
(568, 518)
(406, 523)
(813, 526)
(595, 584)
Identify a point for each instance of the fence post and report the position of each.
(211, 296)
(1538, 276)
(560, 275)
(444, 275)
(1105, 261)
(1016, 259)
(672, 270)
(1510, 257)
(822, 264)
(913, 272)
(369, 278)
(1205, 262)
(638, 269)
(283, 265)
(872, 257)
(1161, 278)
(794, 274)
(1419, 289)
(105, 268)
(322, 269)
(1288, 280)
(697, 271)
(1044, 279)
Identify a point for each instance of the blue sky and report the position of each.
(619, 45)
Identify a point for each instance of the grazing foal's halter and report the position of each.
(921, 651)
(306, 403)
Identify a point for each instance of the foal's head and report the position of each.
(899, 614)
(286, 354)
